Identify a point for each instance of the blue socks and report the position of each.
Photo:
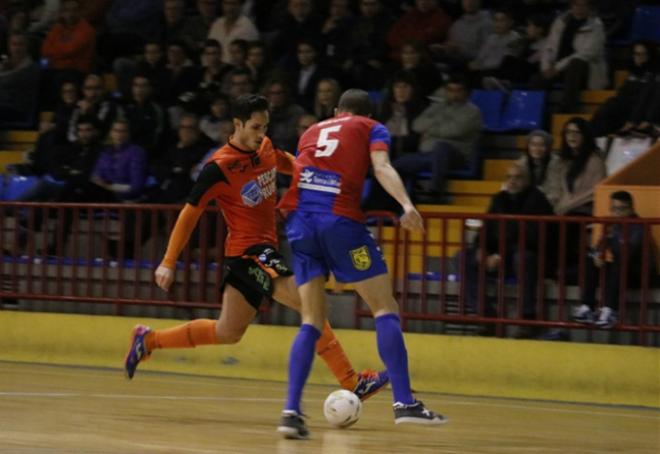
(300, 364)
(393, 352)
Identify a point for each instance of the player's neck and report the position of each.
(238, 145)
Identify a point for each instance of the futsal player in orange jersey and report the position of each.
(240, 176)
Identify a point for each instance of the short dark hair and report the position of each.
(245, 105)
(622, 196)
(355, 101)
(89, 120)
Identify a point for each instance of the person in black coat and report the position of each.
(519, 197)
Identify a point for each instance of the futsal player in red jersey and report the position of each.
(326, 231)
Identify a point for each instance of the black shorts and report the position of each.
(252, 274)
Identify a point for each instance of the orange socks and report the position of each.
(332, 353)
(188, 335)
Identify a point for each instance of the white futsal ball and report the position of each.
(342, 408)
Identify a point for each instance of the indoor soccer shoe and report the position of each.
(292, 426)
(416, 413)
(137, 351)
(583, 314)
(370, 382)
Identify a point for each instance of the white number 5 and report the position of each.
(325, 146)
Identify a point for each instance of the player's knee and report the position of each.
(228, 336)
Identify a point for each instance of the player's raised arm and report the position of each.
(389, 179)
(202, 192)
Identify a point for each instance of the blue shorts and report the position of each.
(326, 243)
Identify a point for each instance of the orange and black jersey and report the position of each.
(243, 185)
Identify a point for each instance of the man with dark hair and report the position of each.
(608, 256)
(519, 197)
(240, 177)
(326, 233)
(449, 131)
(146, 118)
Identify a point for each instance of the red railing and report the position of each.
(107, 254)
(558, 281)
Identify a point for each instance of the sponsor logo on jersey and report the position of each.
(361, 258)
(256, 191)
(251, 194)
(319, 180)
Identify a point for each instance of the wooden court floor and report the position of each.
(58, 409)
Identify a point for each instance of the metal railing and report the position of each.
(100, 253)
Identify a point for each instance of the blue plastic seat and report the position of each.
(376, 97)
(16, 185)
(523, 111)
(490, 104)
(646, 24)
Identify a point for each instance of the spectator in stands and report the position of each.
(173, 169)
(197, 27)
(401, 105)
(146, 118)
(240, 83)
(232, 25)
(307, 75)
(545, 168)
(466, 36)
(500, 44)
(336, 33)
(575, 54)
(633, 107)
(415, 60)
(153, 65)
(368, 45)
(257, 62)
(519, 67)
(449, 130)
(174, 25)
(59, 124)
(69, 45)
(300, 23)
(608, 255)
(66, 165)
(426, 23)
(68, 48)
(182, 76)
(41, 16)
(238, 53)
(213, 70)
(519, 197)
(218, 121)
(129, 24)
(304, 122)
(94, 103)
(326, 98)
(584, 168)
(19, 83)
(284, 115)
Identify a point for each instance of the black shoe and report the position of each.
(292, 426)
(416, 413)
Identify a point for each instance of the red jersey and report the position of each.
(243, 185)
(332, 163)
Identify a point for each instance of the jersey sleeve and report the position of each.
(284, 162)
(379, 138)
(203, 191)
(206, 185)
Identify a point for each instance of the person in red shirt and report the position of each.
(70, 43)
(240, 176)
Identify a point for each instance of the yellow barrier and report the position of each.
(449, 364)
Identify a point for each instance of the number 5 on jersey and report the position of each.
(326, 146)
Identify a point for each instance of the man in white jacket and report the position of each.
(574, 54)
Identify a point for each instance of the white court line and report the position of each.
(264, 399)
